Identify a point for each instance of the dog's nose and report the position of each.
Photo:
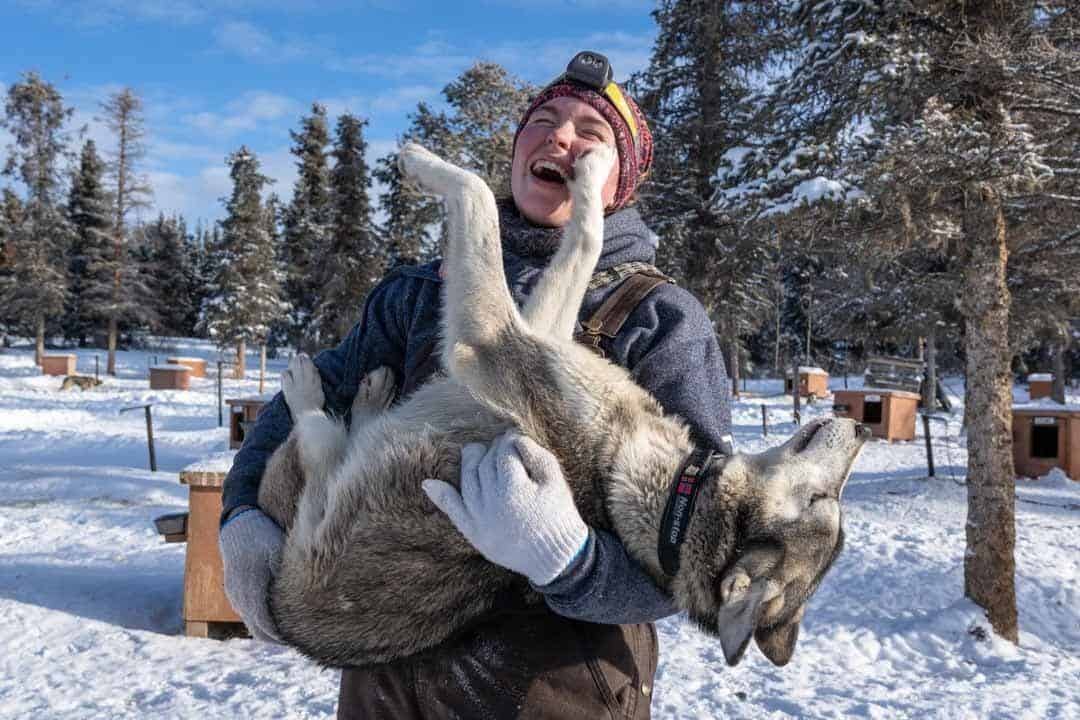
(863, 431)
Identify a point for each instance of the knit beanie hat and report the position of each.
(635, 153)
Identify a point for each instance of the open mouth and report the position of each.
(550, 171)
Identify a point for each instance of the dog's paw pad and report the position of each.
(302, 385)
(376, 391)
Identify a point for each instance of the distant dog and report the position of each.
(83, 382)
(372, 571)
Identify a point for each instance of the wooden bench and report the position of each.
(207, 612)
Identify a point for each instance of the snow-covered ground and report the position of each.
(90, 596)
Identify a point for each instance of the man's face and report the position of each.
(557, 132)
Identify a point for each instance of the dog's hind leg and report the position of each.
(552, 307)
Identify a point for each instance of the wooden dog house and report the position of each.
(889, 413)
(170, 377)
(813, 382)
(207, 612)
(242, 414)
(1046, 436)
(1040, 385)
(58, 364)
(197, 366)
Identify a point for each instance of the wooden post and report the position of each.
(262, 366)
(929, 445)
(795, 399)
(929, 388)
(149, 431)
(219, 418)
(150, 440)
(764, 421)
(96, 367)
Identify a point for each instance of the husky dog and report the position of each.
(83, 382)
(372, 571)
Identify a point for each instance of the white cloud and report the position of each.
(251, 110)
(251, 42)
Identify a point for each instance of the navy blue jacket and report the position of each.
(667, 343)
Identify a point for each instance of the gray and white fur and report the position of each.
(372, 571)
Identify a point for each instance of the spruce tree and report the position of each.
(121, 286)
(245, 293)
(352, 263)
(11, 218)
(35, 290)
(175, 283)
(945, 113)
(697, 95)
(485, 103)
(307, 223)
(91, 216)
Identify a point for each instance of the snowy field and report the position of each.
(90, 595)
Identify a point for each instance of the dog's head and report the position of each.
(767, 532)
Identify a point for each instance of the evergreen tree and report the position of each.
(35, 289)
(697, 95)
(407, 213)
(352, 263)
(245, 297)
(121, 286)
(307, 223)
(175, 285)
(485, 105)
(11, 218)
(936, 109)
(91, 216)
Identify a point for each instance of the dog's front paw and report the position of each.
(302, 386)
(591, 171)
(375, 393)
(431, 173)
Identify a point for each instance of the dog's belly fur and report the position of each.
(385, 574)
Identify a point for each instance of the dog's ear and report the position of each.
(740, 610)
(778, 643)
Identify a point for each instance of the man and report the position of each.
(591, 650)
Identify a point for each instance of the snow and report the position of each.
(1040, 377)
(90, 595)
(809, 370)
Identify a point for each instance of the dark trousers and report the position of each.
(517, 667)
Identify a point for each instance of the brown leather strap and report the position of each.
(614, 311)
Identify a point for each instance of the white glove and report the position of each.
(514, 507)
(251, 545)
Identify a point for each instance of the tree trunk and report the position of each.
(262, 367)
(989, 565)
(1057, 390)
(39, 344)
(929, 388)
(733, 367)
(110, 366)
(240, 368)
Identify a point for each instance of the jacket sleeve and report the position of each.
(671, 350)
(376, 340)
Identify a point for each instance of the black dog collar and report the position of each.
(680, 507)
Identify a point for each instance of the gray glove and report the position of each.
(251, 545)
(514, 507)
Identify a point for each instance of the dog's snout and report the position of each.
(863, 431)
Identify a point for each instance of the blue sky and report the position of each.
(214, 74)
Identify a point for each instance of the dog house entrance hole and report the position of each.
(1044, 441)
(871, 412)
